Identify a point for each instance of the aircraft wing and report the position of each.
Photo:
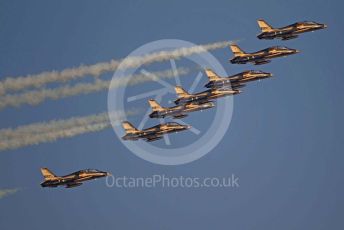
(153, 138)
(152, 131)
(200, 101)
(236, 85)
(179, 116)
(261, 62)
(224, 90)
(289, 36)
(72, 185)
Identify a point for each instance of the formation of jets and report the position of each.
(217, 87)
(220, 86)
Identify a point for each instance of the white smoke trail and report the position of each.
(39, 80)
(54, 125)
(7, 192)
(34, 139)
(53, 130)
(36, 97)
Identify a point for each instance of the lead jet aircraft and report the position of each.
(151, 134)
(288, 32)
(178, 111)
(71, 180)
(235, 81)
(202, 97)
(260, 57)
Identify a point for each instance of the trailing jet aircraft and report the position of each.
(178, 111)
(260, 57)
(151, 134)
(71, 180)
(235, 81)
(288, 32)
(202, 97)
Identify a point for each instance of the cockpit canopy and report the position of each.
(90, 170)
(256, 71)
(282, 48)
(310, 23)
(173, 124)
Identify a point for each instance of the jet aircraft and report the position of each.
(288, 32)
(235, 81)
(260, 57)
(71, 180)
(178, 111)
(151, 134)
(202, 97)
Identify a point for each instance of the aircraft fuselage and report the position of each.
(263, 56)
(74, 179)
(205, 96)
(155, 132)
(237, 80)
(181, 111)
(291, 31)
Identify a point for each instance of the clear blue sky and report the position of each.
(285, 141)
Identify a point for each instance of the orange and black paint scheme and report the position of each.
(259, 57)
(202, 97)
(235, 81)
(153, 133)
(287, 32)
(71, 180)
(176, 112)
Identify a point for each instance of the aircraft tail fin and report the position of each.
(47, 174)
(236, 50)
(155, 105)
(181, 92)
(128, 127)
(211, 75)
(264, 26)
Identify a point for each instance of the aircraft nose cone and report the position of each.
(324, 26)
(296, 51)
